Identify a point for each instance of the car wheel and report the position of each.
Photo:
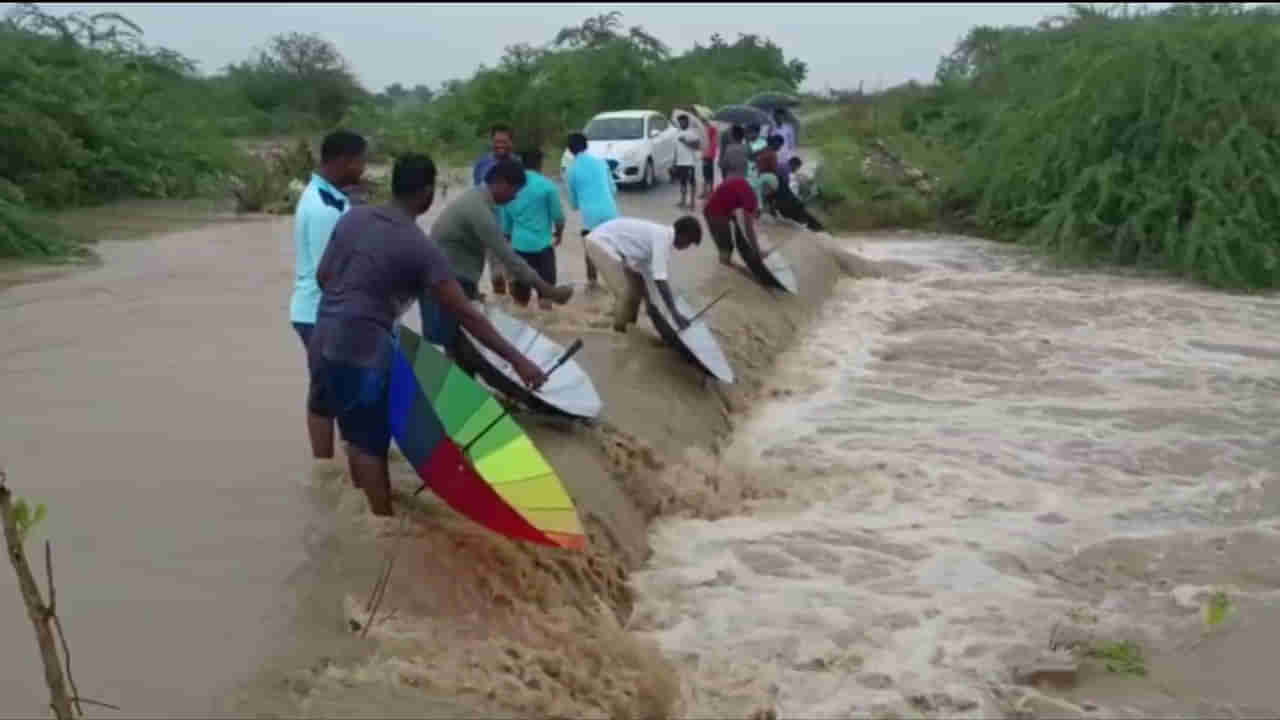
(649, 178)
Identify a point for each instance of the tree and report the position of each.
(301, 72)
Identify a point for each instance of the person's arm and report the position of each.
(556, 212)
(486, 226)
(449, 294)
(318, 246)
(573, 187)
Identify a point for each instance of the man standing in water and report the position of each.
(534, 223)
(687, 143)
(733, 198)
(626, 248)
(501, 141)
(466, 231)
(320, 206)
(376, 264)
(593, 191)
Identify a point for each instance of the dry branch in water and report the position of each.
(44, 618)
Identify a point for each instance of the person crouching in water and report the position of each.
(787, 204)
(625, 249)
(534, 224)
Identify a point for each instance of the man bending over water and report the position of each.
(626, 248)
(376, 264)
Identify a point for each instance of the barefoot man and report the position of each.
(625, 248)
(376, 264)
(320, 206)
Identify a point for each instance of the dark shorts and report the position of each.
(440, 326)
(304, 332)
(357, 397)
(543, 263)
(315, 403)
(683, 173)
(708, 171)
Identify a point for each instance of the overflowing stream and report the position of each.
(974, 453)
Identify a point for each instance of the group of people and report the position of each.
(359, 268)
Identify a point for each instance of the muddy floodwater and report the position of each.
(973, 450)
(962, 458)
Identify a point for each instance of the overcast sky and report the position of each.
(844, 44)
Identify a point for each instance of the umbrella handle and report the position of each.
(710, 305)
(569, 353)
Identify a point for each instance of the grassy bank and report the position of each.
(1126, 137)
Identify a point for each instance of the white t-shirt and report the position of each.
(642, 245)
(686, 155)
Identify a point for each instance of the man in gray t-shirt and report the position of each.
(375, 265)
(733, 158)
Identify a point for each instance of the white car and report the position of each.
(639, 145)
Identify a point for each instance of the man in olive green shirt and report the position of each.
(466, 231)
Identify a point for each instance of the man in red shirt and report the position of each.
(734, 197)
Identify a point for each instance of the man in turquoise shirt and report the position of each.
(592, 190)
(530, 221)
(321, 204)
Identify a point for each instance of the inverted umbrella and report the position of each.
(468, 450)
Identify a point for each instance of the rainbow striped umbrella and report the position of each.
(469, 451)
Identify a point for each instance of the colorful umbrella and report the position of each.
(469, 451)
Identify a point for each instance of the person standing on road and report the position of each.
(591, 190)
(468, 231)
(320, 206)
(687, 143)
(709, 157)
(376, 263)
(627, 248)
(501, 141)
(733, 157)
(534, 225)
(788, 132)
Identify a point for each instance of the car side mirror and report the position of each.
(655, 132)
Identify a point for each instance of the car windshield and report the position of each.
(615, 128)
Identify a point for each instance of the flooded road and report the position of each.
(972, 450)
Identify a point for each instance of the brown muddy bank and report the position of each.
(514, 628)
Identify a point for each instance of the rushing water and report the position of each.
(973, 449)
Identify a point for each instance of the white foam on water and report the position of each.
(947, 440)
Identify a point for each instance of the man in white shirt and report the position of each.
(688, 143)
(624, 249)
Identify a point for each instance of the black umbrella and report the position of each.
(771, 100)
(743, 115)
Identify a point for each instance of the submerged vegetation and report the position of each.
(1125, 136)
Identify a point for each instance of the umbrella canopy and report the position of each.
(469, 451)
(567, 391)
(771, 100)
(696, 342)
(742, 115)
(703, 110)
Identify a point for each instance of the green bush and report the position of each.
(1133, 137)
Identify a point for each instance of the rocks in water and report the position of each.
(1052, 670)
(1052, 518)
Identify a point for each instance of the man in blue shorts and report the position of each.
(377, 263)
(321, 204)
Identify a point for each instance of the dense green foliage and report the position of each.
(1133, 137)
(547, 91)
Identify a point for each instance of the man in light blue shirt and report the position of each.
(591, 190)
(322, 203)
(534, 224)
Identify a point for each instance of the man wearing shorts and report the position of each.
(467, 231)
(534, 223)
(687, 143)
(377, 262)
(321, 204)
(733, 156)
(591, 190)
(626, 248)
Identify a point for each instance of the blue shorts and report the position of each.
(357, 397)
(315, 403)
(439, 326)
